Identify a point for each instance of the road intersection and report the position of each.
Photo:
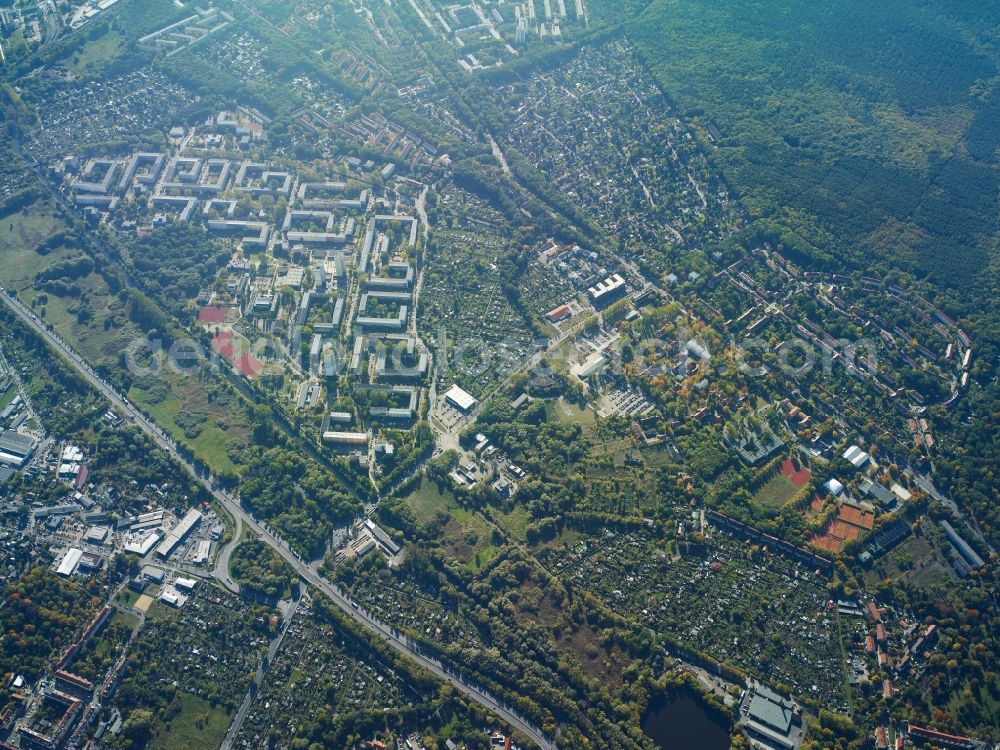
(392, 637)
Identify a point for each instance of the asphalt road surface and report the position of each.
(398, 641)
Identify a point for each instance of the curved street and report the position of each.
(221, 571)
(396, 640)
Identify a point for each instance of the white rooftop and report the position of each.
(856, 456)
(70, 561)
(460, 398)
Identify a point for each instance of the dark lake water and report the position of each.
(680, 722)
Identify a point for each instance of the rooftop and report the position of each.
(16, 443)
(460, 398)
(765, 710)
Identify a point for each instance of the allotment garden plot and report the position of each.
(209, 648)
(743, 608)
(463, 294)
(319, 668)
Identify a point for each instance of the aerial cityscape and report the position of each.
(532, 374)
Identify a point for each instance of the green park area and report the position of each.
(96, 52)
(194, 723)
(21, 232)
(462, 533)
(777, 491)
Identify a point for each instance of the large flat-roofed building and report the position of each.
(389, 364)
(400, 282)
(460, 399)
(201, 553)
(89, 562)
(257, 179)
(15, 448)
(605, 292)
(143, 169)
(70, 561)
(179, 532)
(593, 365)
(381, 537)
(97, 534)
(141, 543)
(774, 715)
(156, 575)
(324, 227)
(98, 177)
(769, 719)
(252, 233)
(182, 205)
(355, 439)
(969, 555)
(399, 394)
(397, 323)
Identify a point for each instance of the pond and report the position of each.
(681, 722)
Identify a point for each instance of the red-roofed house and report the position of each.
(559, 313)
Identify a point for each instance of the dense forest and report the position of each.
(300, 500)
(258, 568)
(862, 136)
(867, 129)
(172, 263)
(42, 614)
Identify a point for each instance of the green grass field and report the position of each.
(564, 540)
(985, 695)
(128, 597)
(466, 537)
(567, 412)
(209, 445)
(514, 523)
(458, 542)
(187, 395)
(427, 500)
(94, 342)
(20, 233)
(104, 49)
(198, 725)
(90, 337)
(776, 492)
(614, 447)
(126, 618)
(657, 456)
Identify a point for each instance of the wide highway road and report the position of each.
(400, 642)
